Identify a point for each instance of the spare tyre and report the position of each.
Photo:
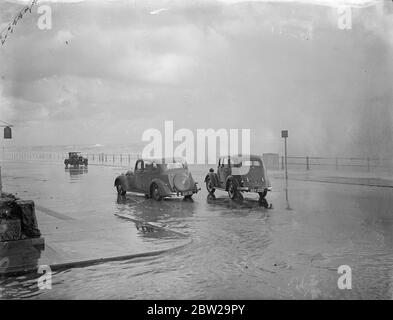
(183, 182)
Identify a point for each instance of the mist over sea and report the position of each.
(130, 148)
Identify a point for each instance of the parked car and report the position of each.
(158, 178)
(75, 159)
(237, 174)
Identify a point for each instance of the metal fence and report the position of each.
(336, 163)
(97, 158)
(294, 162)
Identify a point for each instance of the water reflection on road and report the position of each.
(76, 172)
(239, 249)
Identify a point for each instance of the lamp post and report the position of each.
(7, 135)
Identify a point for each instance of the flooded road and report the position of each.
(237, 250)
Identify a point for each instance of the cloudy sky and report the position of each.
(107, 70)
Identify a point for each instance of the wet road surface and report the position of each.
(237, 250)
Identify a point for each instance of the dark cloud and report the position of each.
(111, 70)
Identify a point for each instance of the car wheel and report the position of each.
(209, 186)
(232, 190)
(120, 190)
(155, 192)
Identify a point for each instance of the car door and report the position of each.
(130, 180)
(219, 171)
(147, 176)
(139, 168)
(224, 171)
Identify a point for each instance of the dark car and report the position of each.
(237, 174)
(75, 159)
(158, 178)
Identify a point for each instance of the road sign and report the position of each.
(284, 134)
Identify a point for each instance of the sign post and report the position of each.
(284, 134)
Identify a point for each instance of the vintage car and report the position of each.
(237, 174)
(158, 178)
(75, 159)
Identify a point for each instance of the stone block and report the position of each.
(7, 207)
(20, 256)
(10, 230)
(26, 213)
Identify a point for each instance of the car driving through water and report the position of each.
(75, 159)
(158, 178)
(237, 174)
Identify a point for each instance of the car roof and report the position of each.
(248, 156)
(163, 160)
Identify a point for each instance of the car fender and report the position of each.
(268, 183)
(164, 189)
(213, 178)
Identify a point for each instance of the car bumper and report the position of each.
(253, 189)
(187, 193)
(172, 191)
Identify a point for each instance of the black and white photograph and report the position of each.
(196, 150)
